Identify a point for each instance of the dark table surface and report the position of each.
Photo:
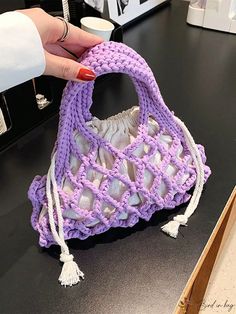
(137, 270)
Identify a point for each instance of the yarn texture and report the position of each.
(97, 182)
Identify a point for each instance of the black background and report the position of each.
(137, 270)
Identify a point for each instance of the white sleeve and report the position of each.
(21, 51)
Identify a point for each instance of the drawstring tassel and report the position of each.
(70, 274)
(172, 227)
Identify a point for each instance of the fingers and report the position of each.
(67, 69)
(48, 27)
(51, 30)
(75, 49)
(61, 63)
(77, 41)
(59, 51)
(81, 38)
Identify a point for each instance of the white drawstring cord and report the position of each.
(172, 227)
(70, 274)
(66, 11)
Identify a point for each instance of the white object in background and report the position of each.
(97, 26)
(123, 11)
(66, 10)
(96, 4)
(42, 101)
(3, 127)
(214, 14)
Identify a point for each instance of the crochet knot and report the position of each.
(181, 219)
(65, 258)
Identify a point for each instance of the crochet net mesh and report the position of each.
(154, 170)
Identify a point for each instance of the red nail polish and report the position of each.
(86, 75)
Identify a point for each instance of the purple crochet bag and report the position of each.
(113, 172)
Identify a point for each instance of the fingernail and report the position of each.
(86, 75)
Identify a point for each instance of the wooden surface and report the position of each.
(220, 294)
(192, 297)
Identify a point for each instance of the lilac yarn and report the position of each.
(110, 57)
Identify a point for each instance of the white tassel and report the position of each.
(70, 274)
(172, 227)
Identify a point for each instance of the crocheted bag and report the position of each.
(111, 173)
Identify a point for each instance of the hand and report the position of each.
(59, 61)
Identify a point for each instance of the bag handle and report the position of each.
(109, 57)
(117, 58)
(112, 57)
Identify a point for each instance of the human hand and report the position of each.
(59, 62)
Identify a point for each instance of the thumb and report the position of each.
(67, 69)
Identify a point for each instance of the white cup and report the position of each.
(97, 26)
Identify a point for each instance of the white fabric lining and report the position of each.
(120, 131)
